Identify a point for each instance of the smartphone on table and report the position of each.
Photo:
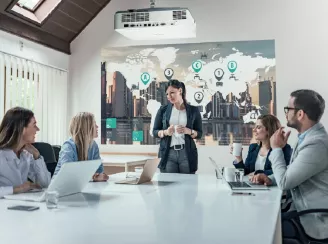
(242, 194)
(24, 208)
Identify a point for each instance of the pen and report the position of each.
(242, 194)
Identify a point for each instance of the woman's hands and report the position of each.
(183, 130)
(31, 149)
(179, 129)
(238, 158)
(100, 177)
(27, 186)
(169, 131)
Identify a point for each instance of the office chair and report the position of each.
(56, 149)
(48, 154)
(303, 238)
(286, 202)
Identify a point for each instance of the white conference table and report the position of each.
(173, 209)
(124, 160)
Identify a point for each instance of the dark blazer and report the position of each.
(194, 122)
(253, 151)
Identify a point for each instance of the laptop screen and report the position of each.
(218, 171)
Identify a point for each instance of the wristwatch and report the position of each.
(38, 157)
(192, 132)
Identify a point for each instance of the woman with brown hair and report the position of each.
(81, 146)
(19, 160)
(257, 160)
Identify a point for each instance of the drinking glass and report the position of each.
(52, 199)
(239, 174)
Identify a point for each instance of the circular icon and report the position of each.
(232, 66)
(198, 97)
(169, 73)
(218, 73)
(197, 66)
(145, 78)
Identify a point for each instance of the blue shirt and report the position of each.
(68, 154)
(302, 136)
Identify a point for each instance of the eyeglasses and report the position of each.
(286, 109)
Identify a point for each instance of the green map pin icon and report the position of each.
(145, 78)
(197, 66)
(232, 66)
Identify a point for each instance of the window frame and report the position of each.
(35, 8)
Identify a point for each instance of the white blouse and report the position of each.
(14, 171)
(178, 117)
(260, 162)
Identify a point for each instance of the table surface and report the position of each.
(124, 159)
(173, 209)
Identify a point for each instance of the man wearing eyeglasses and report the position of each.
(306, 177)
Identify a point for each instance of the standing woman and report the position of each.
(177, 124)
(19, 160)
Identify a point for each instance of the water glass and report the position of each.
(219, 172)
(239, 174)
(52, 199)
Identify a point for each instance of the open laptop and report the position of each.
(147, 174)
(71, 179)
(237, 185)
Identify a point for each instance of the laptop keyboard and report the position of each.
(133, 181)
(239, 184)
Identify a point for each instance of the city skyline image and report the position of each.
(231, 83)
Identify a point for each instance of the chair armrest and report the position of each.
(302, 235)
(318, 210)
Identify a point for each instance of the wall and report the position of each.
(298, 27)
(11, 44)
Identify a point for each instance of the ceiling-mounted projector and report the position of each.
(155, 23)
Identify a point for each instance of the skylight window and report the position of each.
(30, 4)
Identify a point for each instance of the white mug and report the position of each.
(237, 148)
(175, 131)
(229, 174)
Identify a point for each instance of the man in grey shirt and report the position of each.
(307, 174)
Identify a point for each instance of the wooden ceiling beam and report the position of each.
(21, 29)
(59, 29)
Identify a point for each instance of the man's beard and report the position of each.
(295, 125)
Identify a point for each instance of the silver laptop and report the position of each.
(147, 174)
(72, 178)
(237, 185)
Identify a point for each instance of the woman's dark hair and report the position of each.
(12, 126)
(178, 84)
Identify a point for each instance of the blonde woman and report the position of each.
(81, 146)
(19, 160)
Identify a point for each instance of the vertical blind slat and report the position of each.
(15, 96)
(20, 87)
(24, 84)
(2, 85)
(8, 82)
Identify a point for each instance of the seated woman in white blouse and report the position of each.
(19, 160)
